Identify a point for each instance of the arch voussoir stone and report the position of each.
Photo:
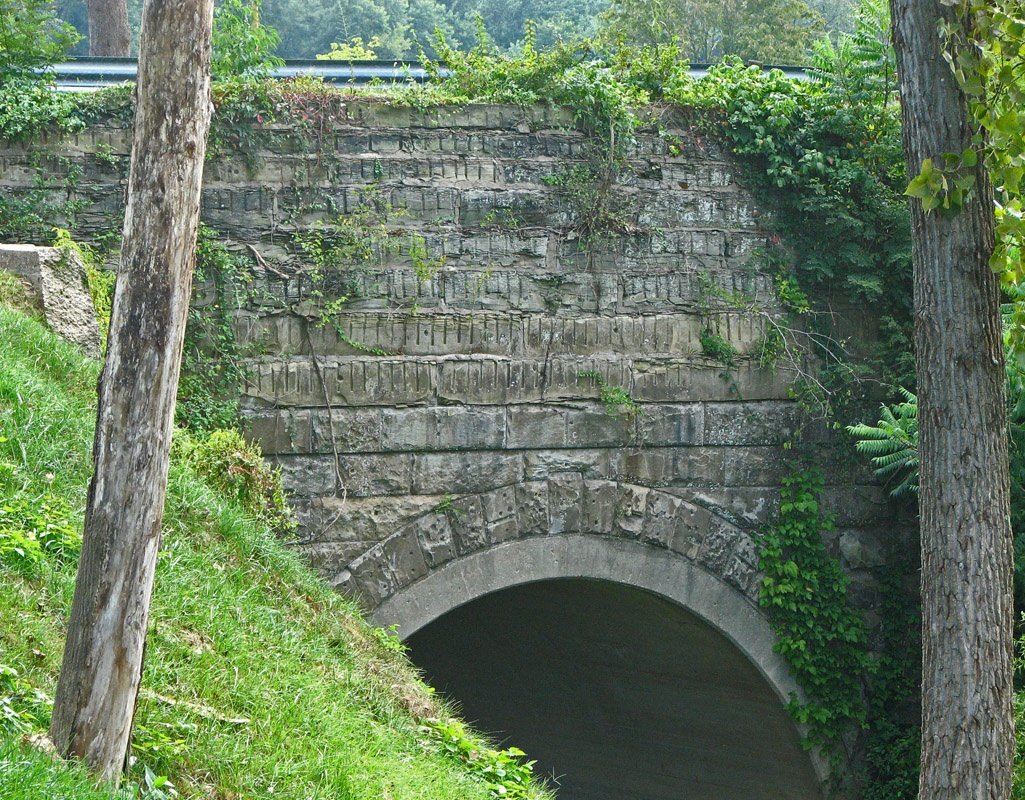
(565, 504)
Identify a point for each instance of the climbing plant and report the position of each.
(820, 635)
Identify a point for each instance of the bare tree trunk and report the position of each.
(102, 666)
(109, 34)
(967, 608)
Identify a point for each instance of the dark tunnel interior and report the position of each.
(618, 694)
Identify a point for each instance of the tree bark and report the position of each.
(109, 34)
(102, 665)
(967, 608)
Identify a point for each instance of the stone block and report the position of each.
(307, 476)
(536, 427)
(754, 466)
(347, 430)
(359, 519)
(595, 428)
(660, 522)
(700, 466)
(598, 511)
(389, 566)
(376, 474)
(542, 464)
(749, 423)
(692, 526)
(464, 473)
(279, 432)
(648, 467)
(861, 549)
(503, 530)
(499, 504)
(56, 280)
(436, 537)
(630, 511)
(327, 558)
(565, 493)
(532, 508)
(671, 425)
(467, 428)
(858, 506)
(716, 550)
(467, 522)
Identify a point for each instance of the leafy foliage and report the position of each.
(260, 681)
(821, 636)
(22, 706)
(892, 743)
(212, 361)
(236, 469)
(892, 443)
(861, 65)
(242, 46)
(768, 31)
(504, 772)
(31, 38)
(987, 57)
(34, 529)
(616, 400)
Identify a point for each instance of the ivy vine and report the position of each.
(818, 632)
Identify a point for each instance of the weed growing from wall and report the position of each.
(616, 400)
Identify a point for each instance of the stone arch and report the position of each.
(667, 520)
(570, 527)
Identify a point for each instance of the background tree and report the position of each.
(102, 666)
(31, 37)
(109, 34)
(967, 724)
(767, 31)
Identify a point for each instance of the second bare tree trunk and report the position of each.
(102, 667)
(109, 34)
(967, 608)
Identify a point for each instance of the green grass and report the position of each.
(26, 772)
(259, 682)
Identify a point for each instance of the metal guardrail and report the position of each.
(89, 74)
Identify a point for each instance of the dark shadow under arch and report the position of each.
(627, 668)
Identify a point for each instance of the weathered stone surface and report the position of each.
(441, 410)
(565, 493)
(598, 512)
(460, 473)
(390, 565)
(436, 539)
(861, 549)
(56, 279)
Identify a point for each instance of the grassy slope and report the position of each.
(239, 631)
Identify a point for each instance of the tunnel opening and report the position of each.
(618, 693)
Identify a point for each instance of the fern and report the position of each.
(892, 444)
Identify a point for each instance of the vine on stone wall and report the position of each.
(818, 632)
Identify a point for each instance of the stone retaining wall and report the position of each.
(451, 375)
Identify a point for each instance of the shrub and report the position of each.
(31, 37)
(236, 468)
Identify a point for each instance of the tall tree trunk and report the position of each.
(102, 666)
(967, 608)
(109, 34)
